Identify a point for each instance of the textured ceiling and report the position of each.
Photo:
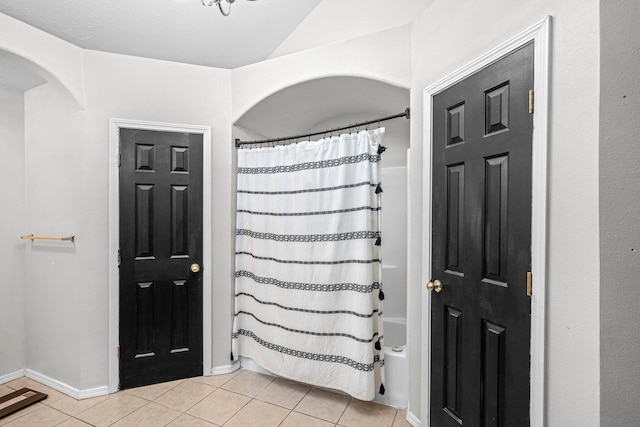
(173, 30)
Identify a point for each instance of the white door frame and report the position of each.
(540, 35)
(114, 236)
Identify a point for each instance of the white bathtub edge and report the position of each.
(396, 373)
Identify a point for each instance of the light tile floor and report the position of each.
(243, 398)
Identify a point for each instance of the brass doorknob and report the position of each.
(195, 267)
(435, 285)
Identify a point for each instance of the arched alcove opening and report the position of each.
(330, 102)
(30, 99)
(16, 77)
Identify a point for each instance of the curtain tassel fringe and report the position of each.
(232, 355)
(379, 241)
(378, 346)
(381, 295)
(381, 388)
(378, 189)
(381, 149)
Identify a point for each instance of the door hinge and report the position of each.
(119, 257)
(118, 352)
(118, 159)
(529, 284)
(531, 102)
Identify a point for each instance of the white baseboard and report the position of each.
(227, 369)
(93, 392)
(412, 418)
(65, 388)
(11, 376)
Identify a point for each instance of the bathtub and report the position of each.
(396, 367)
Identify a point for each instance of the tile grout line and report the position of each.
(189, 408)
(179, 412)
(292, 410)
(345, 410)
(251, 398)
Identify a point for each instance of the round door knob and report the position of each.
(195, 268)
(435, 285)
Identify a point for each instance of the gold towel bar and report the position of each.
(71, 238)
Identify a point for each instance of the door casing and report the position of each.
(114, 236)
(540, 35)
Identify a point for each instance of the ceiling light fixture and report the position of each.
(224, 10)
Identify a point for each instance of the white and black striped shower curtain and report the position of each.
(308, 302)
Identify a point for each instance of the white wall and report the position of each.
(74, 158)
(51, 57)
(12, 284)
(382, 56)
(54, 207)
(68, 192)
(139, 89)
(448, 36)
(620, 213)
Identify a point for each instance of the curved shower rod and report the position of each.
(406, 113)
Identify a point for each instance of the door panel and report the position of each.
(481, 237)
(160, 237)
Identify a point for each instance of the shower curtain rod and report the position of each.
(406, 113)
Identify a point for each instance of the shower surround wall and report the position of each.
(394, 253)
(394, 265)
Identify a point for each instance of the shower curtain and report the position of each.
(308, 300)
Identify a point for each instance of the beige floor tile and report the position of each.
(183, 396)
(248, 383)
(116, 407)
(19, 383)
(401, 419)
(42, 417)
(34, 385)
(74, 422)
(4, 390)
(296, 419)
(258, 414)
(72, 406)
(153, 391)
(186, 420)
(367, 414)
(219, 406)
(150, 415)
(215, 380)
(283, 393)
(323, 404)
(209, 406)
(21, 413)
